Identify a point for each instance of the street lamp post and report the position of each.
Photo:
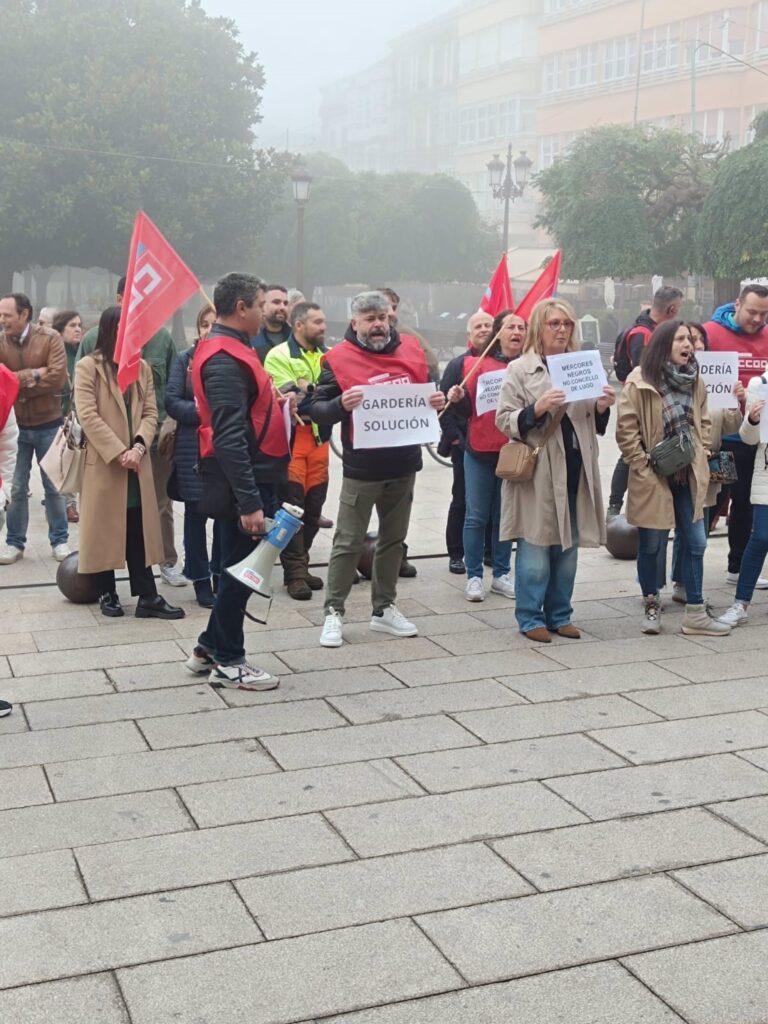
(301, 180)
(506, 187)
(731, 56)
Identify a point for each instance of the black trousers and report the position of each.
(454, 529)
(140, 575)
(619, 484)
(740, 516)
(295, 558)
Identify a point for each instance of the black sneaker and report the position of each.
(157, 608)
(456, 566)
(110, 605)
(204, 593)
(5, 708)
(299, 590)
(314, 582)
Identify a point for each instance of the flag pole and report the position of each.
(473, 370)
(205, 296)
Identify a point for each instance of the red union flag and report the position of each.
(498, 294)
(157, 283)
(544, 287)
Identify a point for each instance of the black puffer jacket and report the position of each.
(180, 404)
(230, 390)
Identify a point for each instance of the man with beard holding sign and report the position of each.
(380, 478)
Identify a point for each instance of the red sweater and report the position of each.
(752, 348)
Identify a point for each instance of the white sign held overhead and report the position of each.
(579, 374)
(719, 371)
(488, 391)
(394, 415)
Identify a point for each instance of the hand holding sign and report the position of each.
(394, 415)
(719, 371)
(579, 375)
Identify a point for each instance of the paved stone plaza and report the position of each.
(456, 829)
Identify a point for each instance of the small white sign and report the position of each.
(579, 374)
(394, 415)
(762, 393)
(488, 391)
(719, 371)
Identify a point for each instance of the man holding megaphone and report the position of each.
(243, 459)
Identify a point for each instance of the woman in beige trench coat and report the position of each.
(665, 398)
(119, 518)
(561, 507)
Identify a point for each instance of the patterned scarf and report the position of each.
(676, 390)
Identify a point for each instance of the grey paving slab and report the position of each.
(17, 643)
(427, 821)
(504, 643)
(711, 667)
(565, 683)
(620, 792)
(724, 981)
(555, 717)
(365, 742)
(752, 636)
(208, 855)
(158, 769)
(750, 815)
(507, 762)
(97, 657)
(614, 849)
(594, 994)
(757, 757)
(82, 822)
(299, 792)
(72, 1001)
(40, 881)
(239, 723)
(51, 745)
(462, 668)
(160, 676)
(689, 737)
(308, 685)
(13, 723)
(424, 700)
(698, 699)
(353, 655)
(67, 684)
(97, 937)
(77, 638)
(290, 979)
(61, 714)
(513, 938)
(5, 669)
(321, 899)
(737, 888)
(583, 611)
(23, 787)
(619, 652)
(68, 616)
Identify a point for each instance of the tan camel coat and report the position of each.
(537, 510)
(640, 427)
(104, 495)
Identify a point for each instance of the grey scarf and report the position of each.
(676, 390)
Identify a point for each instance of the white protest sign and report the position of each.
(579, 374)
(762, 393)
(393, 415)
(719, 371)
(488, 390)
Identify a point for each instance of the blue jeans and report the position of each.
(35, 441)
(223, 637)
(544, 579)
(677, 568)
(196, 563)
(754, 554)
(483, 505)
(693, 544)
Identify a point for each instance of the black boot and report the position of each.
(157, 608)
(110, 605)
(204, 593)
(407, 570)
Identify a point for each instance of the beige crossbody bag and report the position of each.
(517, 460)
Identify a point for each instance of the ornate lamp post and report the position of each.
(506, 187)
(301, 180)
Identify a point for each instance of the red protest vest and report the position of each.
(482, 433)
(353, 365)
(265, 412)
(9, 392)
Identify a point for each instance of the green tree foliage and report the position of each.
(377, 228)
(732, 235)
(114, 105)
(624, 201)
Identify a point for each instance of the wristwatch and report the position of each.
(36, 375)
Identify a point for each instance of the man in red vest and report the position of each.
(371, 353)
(243, 460)
(740, 327)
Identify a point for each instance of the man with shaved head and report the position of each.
(453, 440)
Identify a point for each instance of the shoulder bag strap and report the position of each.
(552, 426)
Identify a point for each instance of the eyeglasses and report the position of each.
(555, 325)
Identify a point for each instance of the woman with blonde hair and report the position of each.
(560, 508)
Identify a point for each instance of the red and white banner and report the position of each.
(157, 283)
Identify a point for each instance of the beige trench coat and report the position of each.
(537, 510)
(640, 427)
(104, 495)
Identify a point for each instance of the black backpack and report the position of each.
(622, 359)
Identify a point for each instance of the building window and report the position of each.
(660, 48)
(551, 77)
(619, 59)
(549, 150)
(582, 67)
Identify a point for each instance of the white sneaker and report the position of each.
(331, 635)
(60, 552)
(200, 662)
(393, 622)
(474, 590)
(243, 677)
(733, 579)
(679, 596)
(9, 554)
(503, 585)
(173, 577)
(735, 615)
